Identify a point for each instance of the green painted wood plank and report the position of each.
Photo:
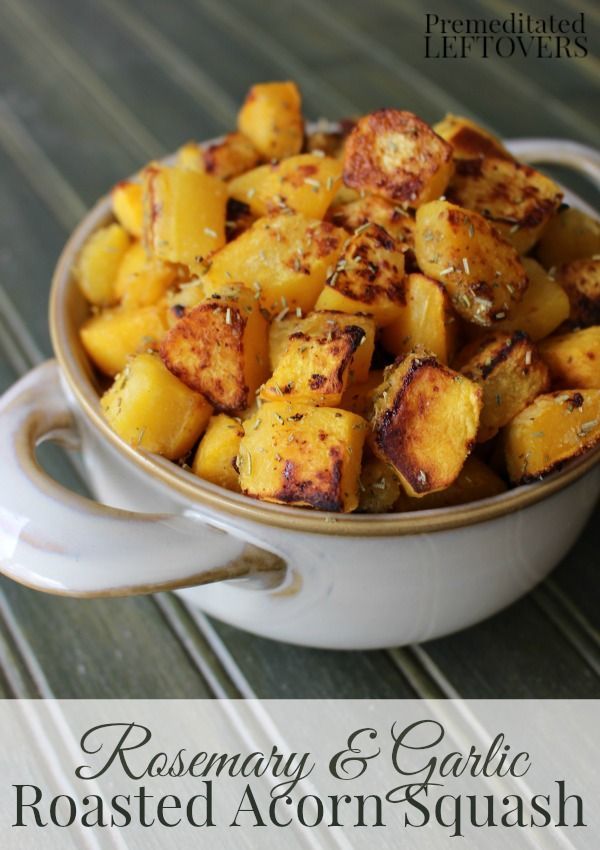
(281, 671)
(579, 574)
(518, 654)
(104, 648)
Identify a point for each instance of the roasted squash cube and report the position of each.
(98, 263)
(379, 487)
(184, 299)
(511, 373)
(574, 358)
(298, 454)
(427, 320)
(329, 142)
(150, 409)
(398, 156)
(516, 198)
(229, 157)
(476, 481)
(543, 307)
(143, 280)
(469, 140)
(321, 325)
(424, 423)
(190, 155)
(216, 457)
(374, 209)
(284, 259)
(306, 183)
(482, 273)
(581, 280)
(570, 235)
(127, 206)
(315, 368)
(113, 335)
(369, 277)
(220, 348)
(184, 214)
(271, 118)
(358, 398)
(554, 429)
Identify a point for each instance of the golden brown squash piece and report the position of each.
(284, 259)
(398, 156)
(426, 320)
(313, 368)
(220, 348)
(113, 335)
(480, 270)
(424, 423)
(216, 457)
(306, 183)
(127, 206)
(98, 263)
(574, 358)
(184, 214)
(358, 398)
(511, 373)
(271, 118)
(181, 301)
(581, 280)
(379, 487)
(373, 209)
(469, 140)
(476, 481)
(150, 409)
(329, 142)
(227, 158)
(298, 454)
(516, 198)
(570, 235)
(554, 429)
(368, 278)
(142, 280)
(231, 156)
(322, 325)
(543, 307)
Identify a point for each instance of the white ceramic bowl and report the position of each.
(351, 582)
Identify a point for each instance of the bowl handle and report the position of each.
(54, 540)
(573, 155)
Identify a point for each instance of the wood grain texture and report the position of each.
(78, 113)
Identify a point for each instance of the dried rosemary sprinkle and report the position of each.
(587, 427)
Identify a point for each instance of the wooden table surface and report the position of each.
(92, 89)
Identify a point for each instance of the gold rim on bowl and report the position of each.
(65, 302)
